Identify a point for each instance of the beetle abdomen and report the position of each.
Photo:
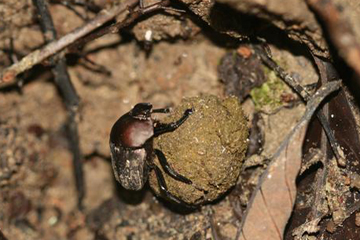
(129, 166)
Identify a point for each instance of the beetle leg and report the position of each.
(161, 128)
(164, 190)
(161, 110)
(168, 169)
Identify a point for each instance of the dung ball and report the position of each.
(208, 148)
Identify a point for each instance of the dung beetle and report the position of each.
(131, 148)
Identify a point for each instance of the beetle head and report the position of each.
(141, 111)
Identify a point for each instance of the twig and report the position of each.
(340, 32)
(321, 175)
(70, 97)
(214, 229)
(130, 19)
(9, 74)
(311, 106)
(77, 156)
(89, 5)
(94, 67)
(288, 79)
(80, 36)
(213, 226)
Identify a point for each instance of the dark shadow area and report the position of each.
(347, 75)
(128, 196)
(174, 207)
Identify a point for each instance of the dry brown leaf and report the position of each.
(273, 204)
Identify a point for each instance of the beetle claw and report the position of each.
(189, 111)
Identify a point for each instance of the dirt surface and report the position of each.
(38, 198)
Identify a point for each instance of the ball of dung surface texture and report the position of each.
(208, 148)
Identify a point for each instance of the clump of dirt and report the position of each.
(162, 27)
(241, 71)
(208, 149)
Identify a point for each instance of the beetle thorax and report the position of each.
(138, 133)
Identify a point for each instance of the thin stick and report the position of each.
(9, 74)
(68, 92)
